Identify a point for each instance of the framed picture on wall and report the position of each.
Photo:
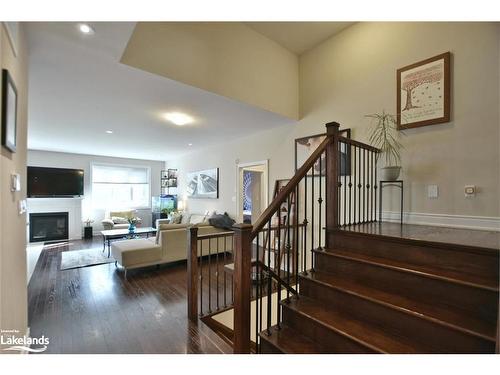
(305, 146)
(9, 112)
(203, 184)
(423, 92)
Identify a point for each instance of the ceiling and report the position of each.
(78, 90)
(298, 37)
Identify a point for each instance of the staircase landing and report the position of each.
(428, 233)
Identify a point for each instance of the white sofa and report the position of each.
(118, 219)
(169, 245)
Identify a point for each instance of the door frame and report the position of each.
(240, 167)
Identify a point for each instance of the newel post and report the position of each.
(192, 273)
(242, 287)
(332, 180)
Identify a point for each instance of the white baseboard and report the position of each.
(444, 220)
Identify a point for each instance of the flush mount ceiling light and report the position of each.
(85, 28)
(178, 118)
(109, 131)
(190, 144)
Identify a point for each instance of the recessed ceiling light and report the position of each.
(85, 28)
(190, 144)
(109, 131)
(178, 118)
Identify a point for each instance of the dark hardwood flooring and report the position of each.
(95, 310)
(466, 237)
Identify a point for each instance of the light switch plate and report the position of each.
(15, 182)
(432, 191)
(470, 191)
(22, 206)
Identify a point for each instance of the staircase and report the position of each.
(372, 294)
(316, 273)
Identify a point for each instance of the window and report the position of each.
(119, 187)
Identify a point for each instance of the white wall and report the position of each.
(67, 160)
(353, 74)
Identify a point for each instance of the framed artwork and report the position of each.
(9, 112)
(172, 182)
(203, 184)
(305, 146)
(172, 173)
(423, 92)
(164, 175)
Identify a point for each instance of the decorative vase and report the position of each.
(390, 173)
(131, 228)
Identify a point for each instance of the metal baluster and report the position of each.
(288, 205)
(209, 277)
(376, 186)
(217, 272)
(320, 200)
(359, 186)
(201, 276)
(260, 284)
(257, 297)
(348, 156)
(269, 279)
(224, 265)
(296, 234)
(355, 180)
(345, 182)
(372, 184)
(312, 218)
(278, 266)
(304, 244)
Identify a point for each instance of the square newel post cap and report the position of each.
(332, 127)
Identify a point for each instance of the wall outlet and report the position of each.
(432, 191)
(470, 191)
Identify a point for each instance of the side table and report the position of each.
(397, 183)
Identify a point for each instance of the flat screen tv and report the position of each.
(54, 182)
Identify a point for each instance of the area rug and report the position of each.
(84, 258)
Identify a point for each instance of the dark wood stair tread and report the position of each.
(364, 333)
(434, 313)
(288, 340)
(475, 281)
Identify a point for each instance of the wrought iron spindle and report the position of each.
(348, 156)
(257, 296)
(304, 243)
(269, 279)
(376, 186)
(288, 205)
(201, 276)
(224, 276)
(296, 234)
(277, 265)
(209, 277)
(312, 218)
(344, 178)
(355, 180)
(320, 200)
(217, 274)
(359, 186)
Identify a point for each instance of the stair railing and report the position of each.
(336, 186)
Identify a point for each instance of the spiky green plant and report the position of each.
(383, 135)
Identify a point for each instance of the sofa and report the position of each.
(169, 245)
(118, 219)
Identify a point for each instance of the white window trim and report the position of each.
(148, 168)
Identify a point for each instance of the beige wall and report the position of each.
(354, 73)
(13, 291)
(229, 59)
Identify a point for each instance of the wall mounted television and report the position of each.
(54, 182)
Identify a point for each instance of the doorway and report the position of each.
(252, 190)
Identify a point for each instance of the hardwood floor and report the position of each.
(95, 310)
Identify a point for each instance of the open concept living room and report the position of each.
(250, 186)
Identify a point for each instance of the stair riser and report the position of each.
(332, 341)
(444, 339)
(267, 348)
(472, 263)
(478, 303)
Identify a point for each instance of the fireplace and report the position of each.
(48, 226)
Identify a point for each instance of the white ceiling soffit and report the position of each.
(298, 37)
(78, 90)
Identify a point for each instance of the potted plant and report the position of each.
(87, 231)
(384, 135)
(132, 223)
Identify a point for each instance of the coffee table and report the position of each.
(115, 234)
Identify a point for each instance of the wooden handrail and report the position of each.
(288, 188)
(358, 144)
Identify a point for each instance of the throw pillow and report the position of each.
(176, 218)
(196, 219)
(119, 220)
(221, 221)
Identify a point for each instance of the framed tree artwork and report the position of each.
(305, 146)
(423, 92)
(9, 112)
